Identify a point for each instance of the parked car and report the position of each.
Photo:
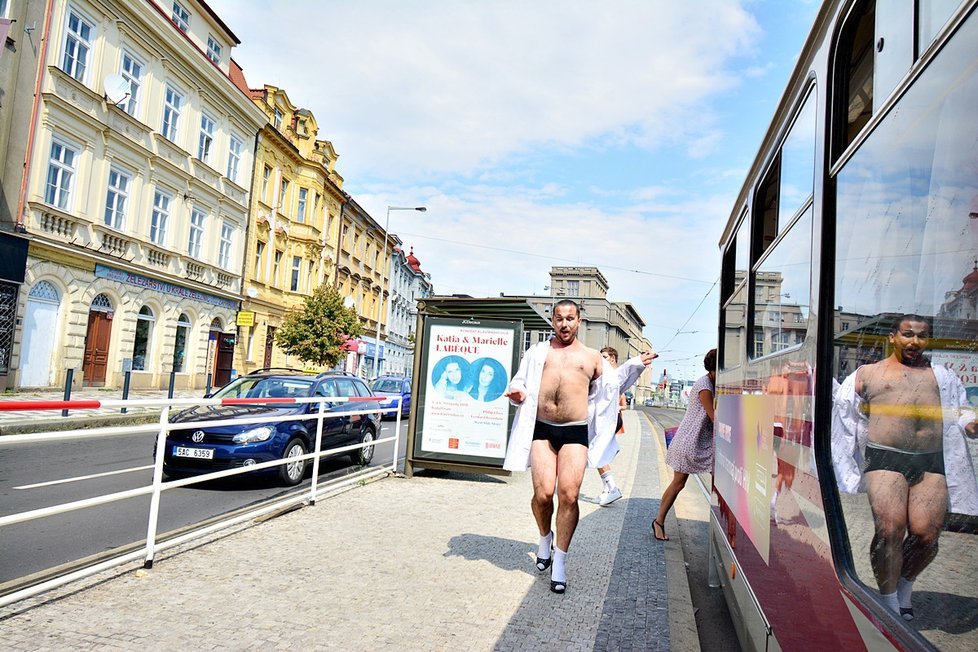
(393, 386)
(203, 450)
(649, 402)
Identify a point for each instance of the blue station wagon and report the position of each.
(393, 386)
(199, 450)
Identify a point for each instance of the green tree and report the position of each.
(315, 333)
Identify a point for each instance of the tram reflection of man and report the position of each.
(907, 419)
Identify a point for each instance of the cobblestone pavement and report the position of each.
(441, 561)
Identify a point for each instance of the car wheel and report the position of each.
(292, 471)
(362, 456)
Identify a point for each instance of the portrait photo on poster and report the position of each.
(487, 379)
(449, 375)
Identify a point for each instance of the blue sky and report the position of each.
(613, 134)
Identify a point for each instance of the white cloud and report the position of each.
(411, 88)
(536, 133)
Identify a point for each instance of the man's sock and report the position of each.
(557, 573)
(890, 600)
(543, 551)
(609, 481)
(904, 591)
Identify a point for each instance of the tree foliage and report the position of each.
(315, 333)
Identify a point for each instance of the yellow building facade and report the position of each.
(293, 226)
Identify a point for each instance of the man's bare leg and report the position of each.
(926, 511)
(543, 471)
(571, 462)
(888, 497)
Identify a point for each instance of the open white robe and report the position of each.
(850, 431)
(602, 408)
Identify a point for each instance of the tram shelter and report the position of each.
(455, 423)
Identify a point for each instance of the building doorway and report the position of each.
(223, 353)
(97, 339)
(269, 345)
(39, 335)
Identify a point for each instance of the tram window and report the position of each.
(934, 14)
(742, 248)
(734, 329)
(893, 47)
(789, 183)
(856, 72)
(906, 230)
(797, 178)
(877, 50)
(783, 286)
(766, 209)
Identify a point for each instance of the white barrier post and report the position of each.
(397, 433)
(154, 502)
(318, 448)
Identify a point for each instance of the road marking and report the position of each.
(83, 477)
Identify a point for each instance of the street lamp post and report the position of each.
(384, 283)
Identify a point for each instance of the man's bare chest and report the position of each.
(902, 386)
(577, 367)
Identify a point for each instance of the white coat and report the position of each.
(602, 408)
(850, 432)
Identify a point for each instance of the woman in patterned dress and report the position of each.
(691, 450)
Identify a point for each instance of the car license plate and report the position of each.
(196, 453)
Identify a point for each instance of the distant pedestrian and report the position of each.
(611, 492)
(691, 449)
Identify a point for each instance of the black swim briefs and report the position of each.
(560, 434)
(913, 466)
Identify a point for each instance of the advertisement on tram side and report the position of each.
(744, 463)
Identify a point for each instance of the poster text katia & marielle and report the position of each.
(465, 343)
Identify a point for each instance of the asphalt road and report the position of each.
(33, 476)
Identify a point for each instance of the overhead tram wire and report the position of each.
(665, 349)
(577, 262)
(564, 260)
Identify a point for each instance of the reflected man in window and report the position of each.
(907, 419)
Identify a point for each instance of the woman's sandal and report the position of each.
(558, 587)
(655, 532)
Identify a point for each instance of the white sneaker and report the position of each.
(608, 497)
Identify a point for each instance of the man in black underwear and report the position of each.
(904, 473)
(557, 393)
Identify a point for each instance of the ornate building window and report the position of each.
(144, 332)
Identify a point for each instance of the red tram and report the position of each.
(861, 207)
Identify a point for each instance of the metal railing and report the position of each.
(158, 486)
